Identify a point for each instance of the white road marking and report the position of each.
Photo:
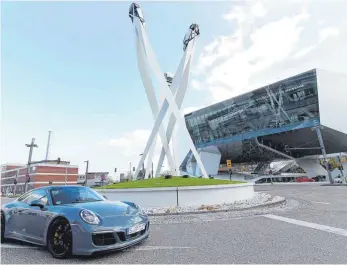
(321, 202)
(6, 245)
(159, 248)
(329, 229)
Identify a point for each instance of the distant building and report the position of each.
(94, 179)
(39, 174)
(81, 178)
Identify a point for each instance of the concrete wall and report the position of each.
(182, 196)
(332, 95)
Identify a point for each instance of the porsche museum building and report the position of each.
(294, 118)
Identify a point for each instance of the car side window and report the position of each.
(40, 195)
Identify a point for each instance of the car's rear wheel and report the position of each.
(59, 241)
(2, 227)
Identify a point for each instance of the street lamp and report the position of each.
(143, 167)
(87, 166)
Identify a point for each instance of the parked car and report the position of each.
(338, 179)
(73, 220)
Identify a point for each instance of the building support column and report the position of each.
(321, 143)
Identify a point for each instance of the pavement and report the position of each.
(310, 228)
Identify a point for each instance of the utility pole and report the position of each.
(87, 166)
(66, 172)
(130, 176)
(48, 144)
(31, 146)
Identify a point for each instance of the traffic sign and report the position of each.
(229, 164)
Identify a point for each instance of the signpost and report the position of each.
(229, 165)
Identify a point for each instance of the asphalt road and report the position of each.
(310, 228)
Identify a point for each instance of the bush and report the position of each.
(211, 177)
(168, 176)
(200, 177)
(185, 176)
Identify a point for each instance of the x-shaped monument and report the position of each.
(173, 97)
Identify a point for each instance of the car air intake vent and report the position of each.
(103, 239)
(121, 236)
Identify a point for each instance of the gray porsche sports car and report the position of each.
(73, 220)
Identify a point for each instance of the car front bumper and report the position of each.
(86, 242)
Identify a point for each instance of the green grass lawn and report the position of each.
(14, 196)
(174, 182)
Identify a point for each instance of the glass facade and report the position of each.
(285, 105)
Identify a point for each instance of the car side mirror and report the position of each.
(37, 203)
(104, 197)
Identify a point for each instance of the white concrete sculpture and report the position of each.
(173, 94)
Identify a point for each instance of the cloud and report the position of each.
(270, 44)
(328, 32)
(196, 84)
(267, 41)
(190, 109)
(304, 51)
(131, 143)
(258, 9)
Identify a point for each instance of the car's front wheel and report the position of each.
(59, 239)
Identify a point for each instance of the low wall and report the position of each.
(182, 196)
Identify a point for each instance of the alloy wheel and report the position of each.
(60, 239)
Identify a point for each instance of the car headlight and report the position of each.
(89, 217)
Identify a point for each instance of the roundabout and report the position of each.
(160, 195)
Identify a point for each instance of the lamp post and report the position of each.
(87, 166)
(152, 171)
(66, 172)
(143, 167)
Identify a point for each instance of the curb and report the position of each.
(336, 184)
(219, 211)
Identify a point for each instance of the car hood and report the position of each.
(108, 208)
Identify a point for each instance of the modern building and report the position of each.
(283, 120)
(39, 174)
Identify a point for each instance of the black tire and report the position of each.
(2, 227)
(59, 239)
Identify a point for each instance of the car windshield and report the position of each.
(67, 195)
